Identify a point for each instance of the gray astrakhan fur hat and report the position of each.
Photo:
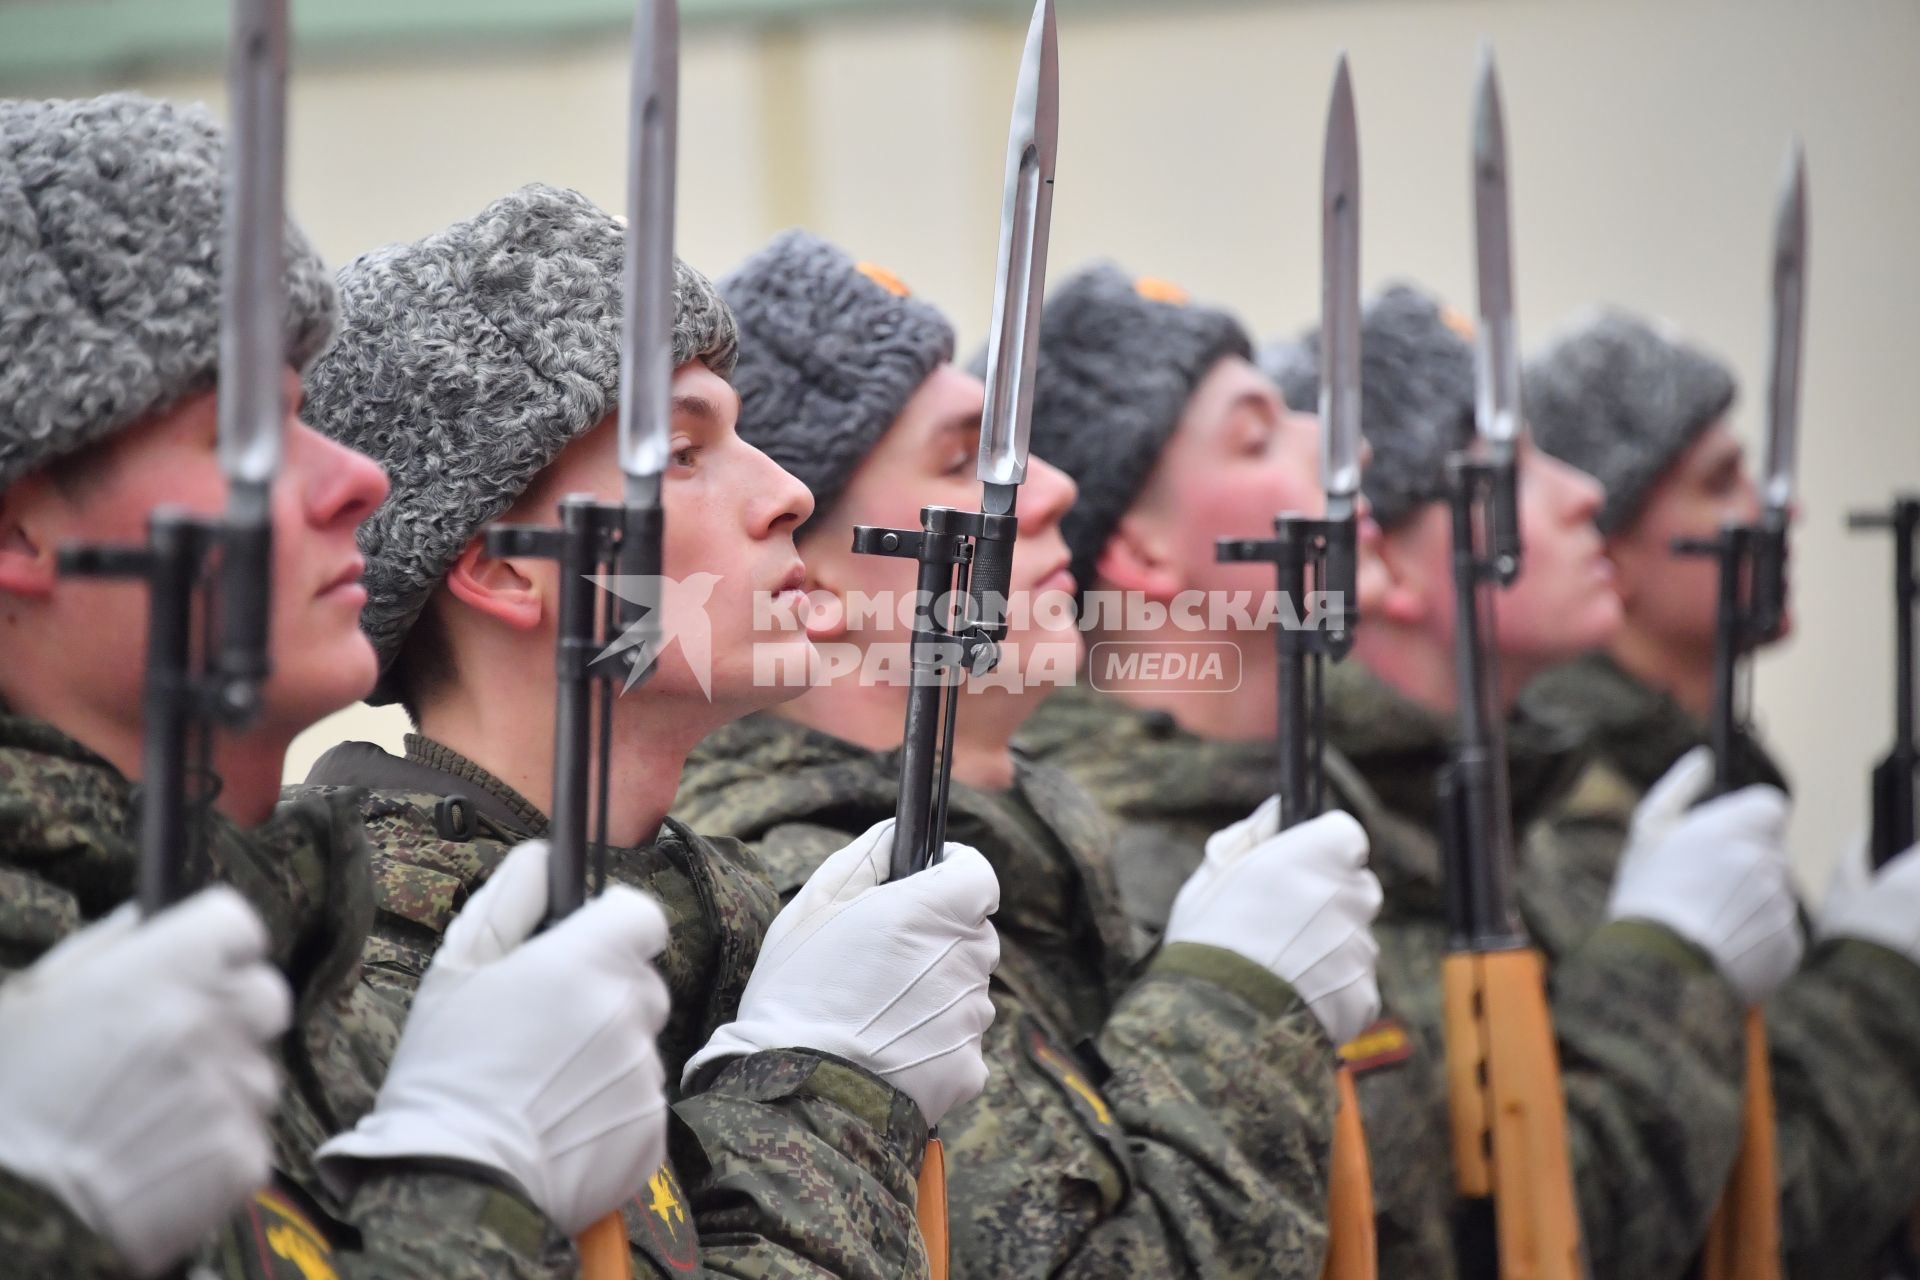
(110, 271)
(830, 351)
(466, 362)
(1416, 395)
(1621, 399)
(1120, 356)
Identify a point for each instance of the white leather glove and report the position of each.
(1717, 875)
(135, 1083)
(890, 976)
(532, 1056)
(1298, 903)
(1886, 909)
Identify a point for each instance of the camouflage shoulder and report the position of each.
(428, 853)
(423, 1224)
(800, 1164)
(40, 1237)
(791, 852)
(34, 915)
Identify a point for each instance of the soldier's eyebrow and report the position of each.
(696, 407)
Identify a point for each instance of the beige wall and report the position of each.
(1647, 137)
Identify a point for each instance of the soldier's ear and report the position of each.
(1137, 559)
(500, 587)
(1412, 565)
(27, 564)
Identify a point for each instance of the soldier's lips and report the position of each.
(346, 586)
(791, 591)
(1060, 579)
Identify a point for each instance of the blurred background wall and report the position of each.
(1647, 139)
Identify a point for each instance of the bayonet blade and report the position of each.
(1789, 318)
(1026, 214)
(1496, 345)
(1340, 302)
(646, 371)
(253, 291)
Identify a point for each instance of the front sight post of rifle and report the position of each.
(588, 543)
(958, 624)
(1302, 552)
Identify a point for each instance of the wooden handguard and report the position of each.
(604, 1251)
(1509, 1114)
(1743, 1240)
(930, 1208)
(1351, 1251)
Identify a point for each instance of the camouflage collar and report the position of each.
(69, 816)
(1637, 728)
(1176, 773)
(1399, 746)
(1047, 840)
(496, 798)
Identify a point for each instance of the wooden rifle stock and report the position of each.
(1509, 1118)
(1298, 545)
(1743, 1238)
(1352, 1251)
(1743, 1241)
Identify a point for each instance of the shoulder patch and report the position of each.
(1601, 793)
(1059, 1066)
(285, 1240)
(660, 1223)
(1384, 1044)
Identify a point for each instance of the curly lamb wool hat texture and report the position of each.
(466, 362)
(1416, 395)
(110, 248)
(830, 351)
(1621, 398)
(1120, 356)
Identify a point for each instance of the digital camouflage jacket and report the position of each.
(788, 1163)
(68, 838)
(1649, 1033)
(1844, 1031)
(1171, 1121)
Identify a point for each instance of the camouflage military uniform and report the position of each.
(1844, 1031)
(1652, 1114)
(787, 1163)
(1168, 1123)
(68, 824)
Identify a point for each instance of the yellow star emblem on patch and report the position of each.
(666, 1198)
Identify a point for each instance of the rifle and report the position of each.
(1323, 552)
(1894, 777)
(1743, 1240)
(965, 558)
(185, 699)
(604, 639)
(1503, 1071)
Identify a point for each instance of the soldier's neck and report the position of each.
(873, 715)
(1685, 677)
(248, 766)
(1419, 665)
(515, 745)
(1230, 706)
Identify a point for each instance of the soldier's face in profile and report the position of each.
(97, 628)
(1563, 603)
(729, 512)
(928, 457)
(1239, 457)
(1673, 598)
